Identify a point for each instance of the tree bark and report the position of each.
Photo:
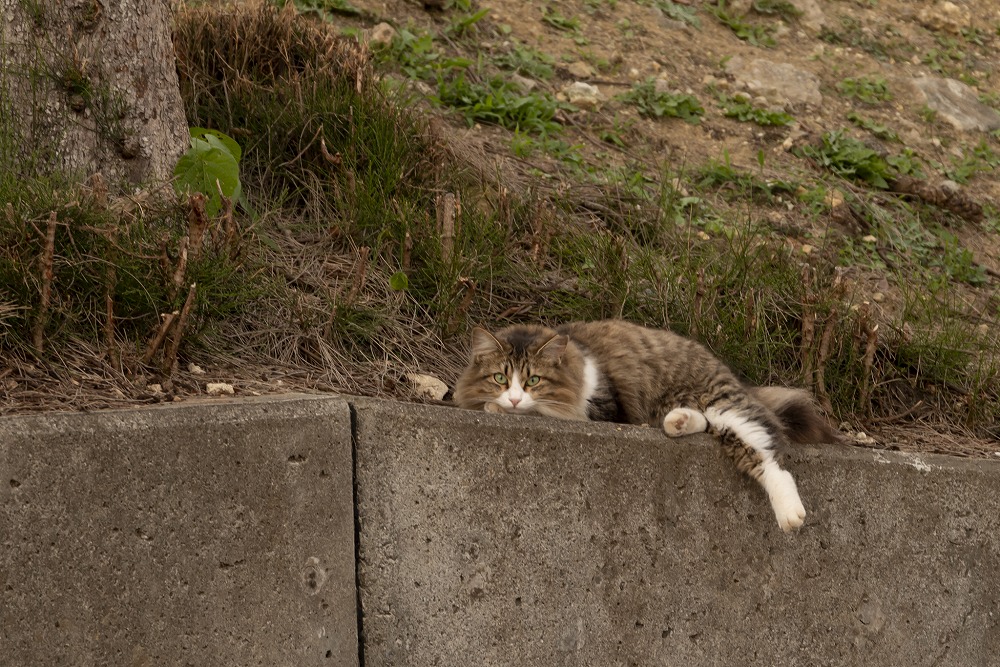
(90, 86)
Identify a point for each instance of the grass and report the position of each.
(876, 129)
(654, 103)
(740, 108)
(358, 265)
(500, 102)
(753, 33)
(864, 89)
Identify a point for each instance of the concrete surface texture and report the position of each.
(207, 534)
(498, 540)
(222, 533)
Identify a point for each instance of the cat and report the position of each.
(614, 370)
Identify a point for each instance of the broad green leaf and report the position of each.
(399, 281)
(229, 142)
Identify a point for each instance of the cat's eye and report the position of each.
(533, 380)
(500, 378)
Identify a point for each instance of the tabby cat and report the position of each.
(618, 371)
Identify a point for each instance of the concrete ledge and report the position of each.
(223, 534)
(493, 540)
(198, 534)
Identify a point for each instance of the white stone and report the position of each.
(582, 95)
(427, 386)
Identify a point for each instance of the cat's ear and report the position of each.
(554, 347)
(483, 343)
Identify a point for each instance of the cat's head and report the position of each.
(523, 370)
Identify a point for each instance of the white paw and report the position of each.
(493, 408)
(785, 501)
(684, 421)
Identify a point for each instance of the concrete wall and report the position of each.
(223, 534)
(492, 540)
(208, 534)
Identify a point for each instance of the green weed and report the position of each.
(851, 159)
(864, 89)
(500, 102)
(742, 109)
(758, 35)
(554, 18)
(661, 104)
(678, 12)
(419, 57)
(526, 61)
(884, 44)
(465, 22)
(877, 129)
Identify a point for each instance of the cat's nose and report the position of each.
(515, 401)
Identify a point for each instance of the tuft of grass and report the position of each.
(526, 61)
(678, 12)
(864, 89)
(783, 9)
(756, 34)
(555, 19)
(740, 108)
(500, 102)
(661, 104)
(851, 159)
(419, 57)
(876, 129)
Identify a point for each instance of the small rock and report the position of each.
(807, 249)
(957, 104)
(154, 388)
(427, 386)
(945, 17)
(219, 388)
(703, 236)
(383, 33)
(869, 239)
(195, 369)
(523, 83)
(582, 95)
(663, 86)
(813, 18)
(834, 198)
(780, 82)
(580, 70)
(878, 297)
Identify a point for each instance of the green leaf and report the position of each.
(212, 158)
(229, 142)
(399, 281)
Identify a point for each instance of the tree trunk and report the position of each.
(89, 86)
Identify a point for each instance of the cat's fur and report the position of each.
(618, 371)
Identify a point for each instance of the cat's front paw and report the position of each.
(493, 408)
(785, 502)
(684, 421)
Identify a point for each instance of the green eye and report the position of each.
(500, 378)
(533, 380)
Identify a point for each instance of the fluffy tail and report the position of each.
(798, 414)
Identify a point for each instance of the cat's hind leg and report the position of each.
(684, 421)
(748, 437)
